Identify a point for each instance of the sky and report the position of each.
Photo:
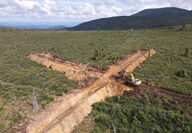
(78, 10)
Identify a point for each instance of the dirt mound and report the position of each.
(70, 69)
(67, 112)
(183, 27)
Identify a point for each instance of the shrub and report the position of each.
(2, 126)
(52, 49)
(187, 52)
(16, 117)
(131, 115)
(182, 73)
(145, 99)
(99, 54)
(103, 119)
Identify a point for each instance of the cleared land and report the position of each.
(138, 112)
(70, 69)
(76, 106)
(169, 68)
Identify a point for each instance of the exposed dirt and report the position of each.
(183, 27)
(67, 112)
(169, 98)
(70, 69)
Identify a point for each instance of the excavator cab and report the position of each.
(138, 82)
(129, 77)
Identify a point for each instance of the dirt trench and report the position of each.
(72, 70)
(70, 110)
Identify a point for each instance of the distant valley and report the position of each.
(38, 25)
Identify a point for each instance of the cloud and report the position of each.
(133, 6)
(143, 4)
(4, 3)
(28, 4)
(81, 10)
(57, 10)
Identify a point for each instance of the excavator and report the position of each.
(129, 77)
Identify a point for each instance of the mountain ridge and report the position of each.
(161, 11)
(149, 18)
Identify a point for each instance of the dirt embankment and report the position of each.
(63, 115)
(70, 69)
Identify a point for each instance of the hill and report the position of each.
(162, 12)
(150, 18)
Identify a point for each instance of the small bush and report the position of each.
(103, 119)
(182, 73)
(187, 52)
(2, 126)
(52, 49)
(99, 54)
(44, 99)
(16, 117)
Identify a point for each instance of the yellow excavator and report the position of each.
(129, 77)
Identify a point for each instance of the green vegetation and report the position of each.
(169, 68)
(146, 112)
(137, 116)
(11, 106)
(101, 55)
(182, 73)
(187, 52)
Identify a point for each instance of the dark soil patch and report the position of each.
(169, 99)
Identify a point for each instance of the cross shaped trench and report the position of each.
(70, 110)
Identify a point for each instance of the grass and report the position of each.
(22, 75)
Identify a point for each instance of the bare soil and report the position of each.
(70, 110)
(72, 70)
(183, 27)
(171, 99)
